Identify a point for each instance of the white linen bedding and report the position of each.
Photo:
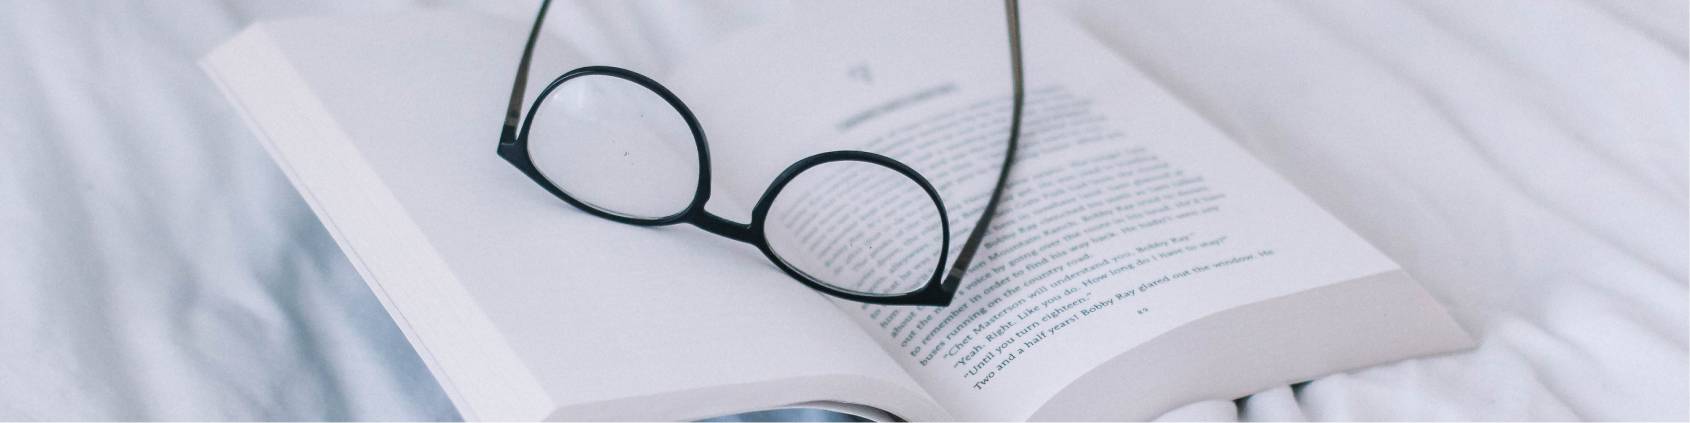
(1526, 160)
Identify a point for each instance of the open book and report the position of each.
(1140, 261)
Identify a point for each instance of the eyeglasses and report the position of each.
(852, 224)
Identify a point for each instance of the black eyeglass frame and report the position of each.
(939, 290)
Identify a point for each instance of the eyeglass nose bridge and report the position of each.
(718, 225)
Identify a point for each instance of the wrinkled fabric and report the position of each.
(1525, 160)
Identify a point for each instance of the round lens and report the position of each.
(857, 227)
(616, 146)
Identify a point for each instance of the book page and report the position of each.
(1126, 214)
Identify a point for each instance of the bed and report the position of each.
(1525, 160)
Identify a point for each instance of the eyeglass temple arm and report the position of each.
(953, 278)
(513, 115)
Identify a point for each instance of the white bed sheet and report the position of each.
(1526, 160)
